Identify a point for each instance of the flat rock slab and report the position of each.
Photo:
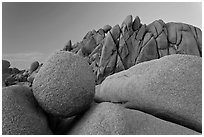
(112, 119)
(169, 88)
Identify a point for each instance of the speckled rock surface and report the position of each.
(21, 114)
(169, 88)
(64, 86)
(111, 119)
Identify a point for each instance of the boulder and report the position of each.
(34, 66)
(148, 51)
(136, 23)
(115, 32)
(68, 46)
(5, 66)
(108, 58)
(127, 21)
(21, 114)
(141, 32)
(112, 119)
(64, 86)
(169, 88)
(89, 46)
(106, 28)
(185, 38)
(98, 38)
(156, 27)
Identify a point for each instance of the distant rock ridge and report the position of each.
(113, 49)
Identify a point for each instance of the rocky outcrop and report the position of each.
(113, 49)
(64, 86)
(169, 88)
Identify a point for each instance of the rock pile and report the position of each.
(14, 76)
(113, 49)
(116, 81)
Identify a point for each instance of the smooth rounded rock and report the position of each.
(34, 66)
(112, 119)
(106, 28)
(64, 86)
(21, 114)
(169, 88)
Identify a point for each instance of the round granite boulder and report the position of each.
(21, 115)
(65, 85)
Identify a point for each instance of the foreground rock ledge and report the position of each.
(169, 88)
(111, 119)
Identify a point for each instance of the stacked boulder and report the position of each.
(113, 49)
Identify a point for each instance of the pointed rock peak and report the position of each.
(68, 46)
(93, 31)
(69, 43)
(161, 22)
(115, 31)
(106, 28)
(136, 23)
(128, 21)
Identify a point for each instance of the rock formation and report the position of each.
(113, 49)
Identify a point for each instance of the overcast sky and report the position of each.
(33, 31)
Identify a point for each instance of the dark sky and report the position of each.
(33, 31)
